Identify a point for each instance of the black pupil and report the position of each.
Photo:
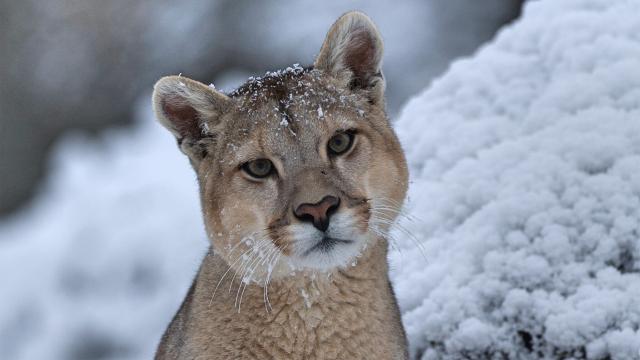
(261, 167)
(339, 143)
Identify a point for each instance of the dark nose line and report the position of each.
(319, 213)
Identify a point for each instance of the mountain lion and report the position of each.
(300, 177)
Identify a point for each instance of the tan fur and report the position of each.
(263, 292)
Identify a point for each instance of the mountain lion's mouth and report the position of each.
(326, 244)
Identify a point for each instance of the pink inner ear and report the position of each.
(183, 117)
(360, 54)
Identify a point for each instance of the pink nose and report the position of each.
(318, 213)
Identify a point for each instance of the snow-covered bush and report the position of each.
(98, 265)
(525, 162)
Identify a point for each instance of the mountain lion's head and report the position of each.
(298, 169)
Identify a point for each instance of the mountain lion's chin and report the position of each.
(328, 252)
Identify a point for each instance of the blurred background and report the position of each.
(99, 224)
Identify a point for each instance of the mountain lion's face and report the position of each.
(298, 169)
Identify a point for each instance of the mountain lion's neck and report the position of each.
(350, 313)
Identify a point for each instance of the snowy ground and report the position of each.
(525, 196)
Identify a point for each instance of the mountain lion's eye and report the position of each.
(258, 168)
(340, 143)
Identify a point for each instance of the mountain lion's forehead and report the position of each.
(295, 134)
(288, 111)
(294, 89)
(272, 80)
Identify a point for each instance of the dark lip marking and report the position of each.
(327, 243)
(275, 232)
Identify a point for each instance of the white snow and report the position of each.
(525, 164)
(525, 198)
(98, 264)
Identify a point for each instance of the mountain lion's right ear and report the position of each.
(352, 52)
(190, 110)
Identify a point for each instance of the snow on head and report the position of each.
(525, 163)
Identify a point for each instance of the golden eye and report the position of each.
(340, 142)
(258, 168)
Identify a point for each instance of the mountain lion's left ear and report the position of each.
(352, 52)
(190, 110)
